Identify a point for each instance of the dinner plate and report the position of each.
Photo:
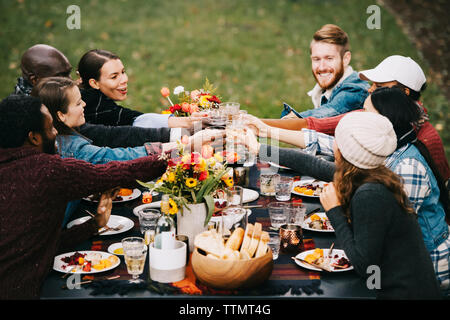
(216, 219)
(248, 196)
(113, 222)
(305, 225)
(136, 194)
(61, 266)
(306, 182)
(340, 253)
(115, 246)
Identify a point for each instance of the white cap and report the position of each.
(397, 68)
(365, 139)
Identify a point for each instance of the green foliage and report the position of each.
(256, 52)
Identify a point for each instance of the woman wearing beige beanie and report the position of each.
(371, 214)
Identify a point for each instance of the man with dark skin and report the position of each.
(41, 61)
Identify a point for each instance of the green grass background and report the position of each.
(255, 51)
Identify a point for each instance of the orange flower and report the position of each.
(165, 92)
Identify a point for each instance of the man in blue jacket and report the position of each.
(338, 89)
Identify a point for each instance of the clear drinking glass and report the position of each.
(283, 188)
(267, 184)
(278, 214)
(235, 195)
(135, 252)
(296, 213)
(147, 219)
(274, 244)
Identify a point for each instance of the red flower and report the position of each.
(175, 108)
(174, 162)
(203, 175)
(214, 99)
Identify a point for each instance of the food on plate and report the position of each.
(241, 245)
(125, 192)
(319, 223)
(329, 263)
(313, 257)
(118, 251)
(310, 189)
(86, 261)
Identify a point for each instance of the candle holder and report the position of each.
(291, 238)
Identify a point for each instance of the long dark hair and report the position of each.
(53, 93)
(404, 115)
(347, 178)
(91, 63)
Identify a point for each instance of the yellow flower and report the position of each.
(171, 177)
(204, 101)
(191, 182)
(229, 181)
(173, 208)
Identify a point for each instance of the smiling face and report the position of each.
(113, 81)
(74, 117)
(327, 63)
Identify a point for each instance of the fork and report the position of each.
(119, 227)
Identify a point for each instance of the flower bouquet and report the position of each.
(190, 102)
(193, 178)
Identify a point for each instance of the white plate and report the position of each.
(58, 264)
(115, 246)
(136, 194)
(113, 222)
(305, 182)
(216, 219)
(305, 224)
(248, 196)
(338, 252)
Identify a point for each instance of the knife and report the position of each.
(311, 213)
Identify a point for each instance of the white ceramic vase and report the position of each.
(191, 221)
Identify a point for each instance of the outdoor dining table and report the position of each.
(287, 281)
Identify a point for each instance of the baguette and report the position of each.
(210, 242)
(247, 237)
(257, 230)
(262, 246)
(235, 240)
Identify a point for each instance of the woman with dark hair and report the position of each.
(426, 194)
(63, 99)
(104, 82)
(370, 212)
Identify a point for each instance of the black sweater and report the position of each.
(382, 234)
(123, 136)
(102, 110)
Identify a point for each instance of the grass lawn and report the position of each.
(256, 52)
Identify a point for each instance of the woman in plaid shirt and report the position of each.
(426, 193)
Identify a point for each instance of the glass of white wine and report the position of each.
(135, 252)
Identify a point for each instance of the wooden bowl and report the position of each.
(231, 274)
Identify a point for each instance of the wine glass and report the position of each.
(135, 252)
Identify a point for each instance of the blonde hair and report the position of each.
(331, 33)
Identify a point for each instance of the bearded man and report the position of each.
(338, 89)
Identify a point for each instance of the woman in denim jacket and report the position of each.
(63, 99)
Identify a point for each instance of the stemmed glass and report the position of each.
(135, 252)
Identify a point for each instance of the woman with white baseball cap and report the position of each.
(370, 211)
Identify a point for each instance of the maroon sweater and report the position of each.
(34, 190)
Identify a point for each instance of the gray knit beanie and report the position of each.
(365, 139)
